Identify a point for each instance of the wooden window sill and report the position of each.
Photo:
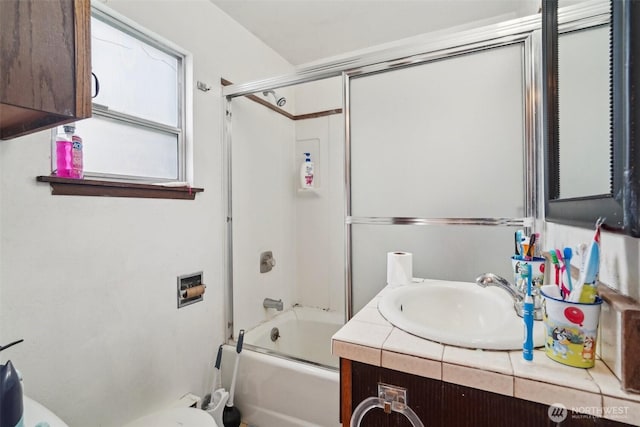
(91, 187)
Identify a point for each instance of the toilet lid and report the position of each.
(175, 417)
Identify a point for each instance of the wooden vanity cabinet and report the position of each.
(442, 404)
(45, 64)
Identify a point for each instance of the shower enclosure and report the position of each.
(297, 302)
(432, 155)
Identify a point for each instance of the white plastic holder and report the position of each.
(216, 406)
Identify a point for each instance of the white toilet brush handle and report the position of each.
(216, 372)
(233, 382)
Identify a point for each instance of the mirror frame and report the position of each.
(620, 207)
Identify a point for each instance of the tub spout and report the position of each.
(272, 303)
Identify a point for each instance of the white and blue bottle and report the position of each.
(306, 172)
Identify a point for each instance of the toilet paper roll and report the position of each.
(399, 268)
(194, 291)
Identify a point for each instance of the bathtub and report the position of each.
(292, 381)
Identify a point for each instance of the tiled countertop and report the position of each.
(369, 338)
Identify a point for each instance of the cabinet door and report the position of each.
(45, 72)
(442, 404)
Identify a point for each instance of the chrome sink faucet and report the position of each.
(490, 279)
(272, 303)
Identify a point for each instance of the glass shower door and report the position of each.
(439, 151)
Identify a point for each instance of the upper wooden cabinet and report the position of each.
(45, 64)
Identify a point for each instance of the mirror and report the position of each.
(584, 110)
(613, 194)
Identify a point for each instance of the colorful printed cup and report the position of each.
(571, 330)
(518, 264)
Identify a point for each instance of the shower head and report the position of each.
(280, 101)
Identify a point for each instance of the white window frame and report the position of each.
(183, 130)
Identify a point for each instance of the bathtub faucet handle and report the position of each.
(272, 303)
(267, 262)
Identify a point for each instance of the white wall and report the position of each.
(319, 95)
(90, 282)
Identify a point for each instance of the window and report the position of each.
(137, 132)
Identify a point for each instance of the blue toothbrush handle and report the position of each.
(527, 345)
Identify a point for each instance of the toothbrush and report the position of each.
(563, 267)
(531, 248)
(519, 242)
(589, 270)
(527, 314)
(568, 254)
(556, 267)
(593, 256)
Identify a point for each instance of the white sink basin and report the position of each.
(458, 313)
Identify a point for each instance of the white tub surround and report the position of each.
(273, 391)
(292, 381)
(303, 333)
(369, 338)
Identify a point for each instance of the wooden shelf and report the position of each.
(92, 187)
